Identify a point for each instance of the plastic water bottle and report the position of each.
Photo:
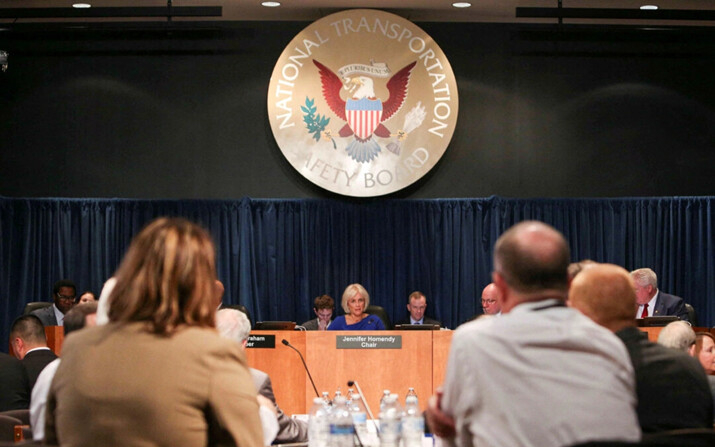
(359, 415)
(326, 398)
(410, 392)
(319, 424)
(341, 424)
(385, 395)
(413, 423)
(390, 422)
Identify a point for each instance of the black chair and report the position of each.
(692, 317)
(687, 437)
(7, 428)
(381, 313)
(23, 415)
(242, 308)
(33, 306)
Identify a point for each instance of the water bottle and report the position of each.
(341, 424)
(413, 423)
(411, 392)
(385, 395)
(359, 415)
(390, 422)
(326, 398)
(319, 424)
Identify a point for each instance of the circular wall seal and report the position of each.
(363, 103)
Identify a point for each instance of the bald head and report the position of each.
(532, 257)
(604, 293)
(491, 304)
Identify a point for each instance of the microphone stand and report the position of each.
(285, 342)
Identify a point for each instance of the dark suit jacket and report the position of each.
(289, 429)
(667, 304)
(46, 315)
(426, 320)
(14, 386)
(35, 361)
(671, 386)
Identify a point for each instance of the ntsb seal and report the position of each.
(363, 103)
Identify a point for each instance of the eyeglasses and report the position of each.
(66, 298)
(488, 302)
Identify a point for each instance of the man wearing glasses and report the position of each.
(490, 300)
(63, 293)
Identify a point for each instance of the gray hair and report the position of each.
(678, 335)
(233, 324)
(645, 277)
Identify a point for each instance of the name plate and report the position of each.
(261, 341)
(368, 342)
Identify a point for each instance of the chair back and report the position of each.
(7, 428)
(242, 308)
(692, 317)
(23, 415)
(381, 313)
(33, 306)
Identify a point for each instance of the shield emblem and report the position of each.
(363, 116)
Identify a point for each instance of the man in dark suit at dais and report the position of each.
(653, 302)
(416, 306)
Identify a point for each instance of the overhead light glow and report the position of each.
(649, 7)
(81, 5)
(271, 4)
(461, 4)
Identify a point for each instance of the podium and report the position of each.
(377, 360)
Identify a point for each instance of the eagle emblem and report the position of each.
(363, 112)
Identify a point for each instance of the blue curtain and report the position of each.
(275, 256)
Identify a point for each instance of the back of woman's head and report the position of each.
(166, 278)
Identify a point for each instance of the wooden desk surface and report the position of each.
(419, 363)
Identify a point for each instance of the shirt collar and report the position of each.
(58, 315)
(413, 321)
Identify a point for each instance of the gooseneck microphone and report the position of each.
(364, 402)
(285, 342)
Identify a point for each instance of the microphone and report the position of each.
(285, 342)
(364, 402)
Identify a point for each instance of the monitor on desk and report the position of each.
(417, 327)
(274, 326)
(656, 321)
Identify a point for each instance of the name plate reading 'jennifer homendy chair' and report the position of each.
(368, 341)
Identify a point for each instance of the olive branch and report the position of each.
(316, 124)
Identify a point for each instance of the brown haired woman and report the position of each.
(158, 374)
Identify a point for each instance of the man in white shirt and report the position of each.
(543, 374)
(80, 316)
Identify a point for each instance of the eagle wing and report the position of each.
(331, 90)
(397, 86)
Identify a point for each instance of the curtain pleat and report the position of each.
(276, 256)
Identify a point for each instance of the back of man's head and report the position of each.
(604, 293)
(531, 257)
(77, 317)
(678, 335)
(30, 329)
(233, 324)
